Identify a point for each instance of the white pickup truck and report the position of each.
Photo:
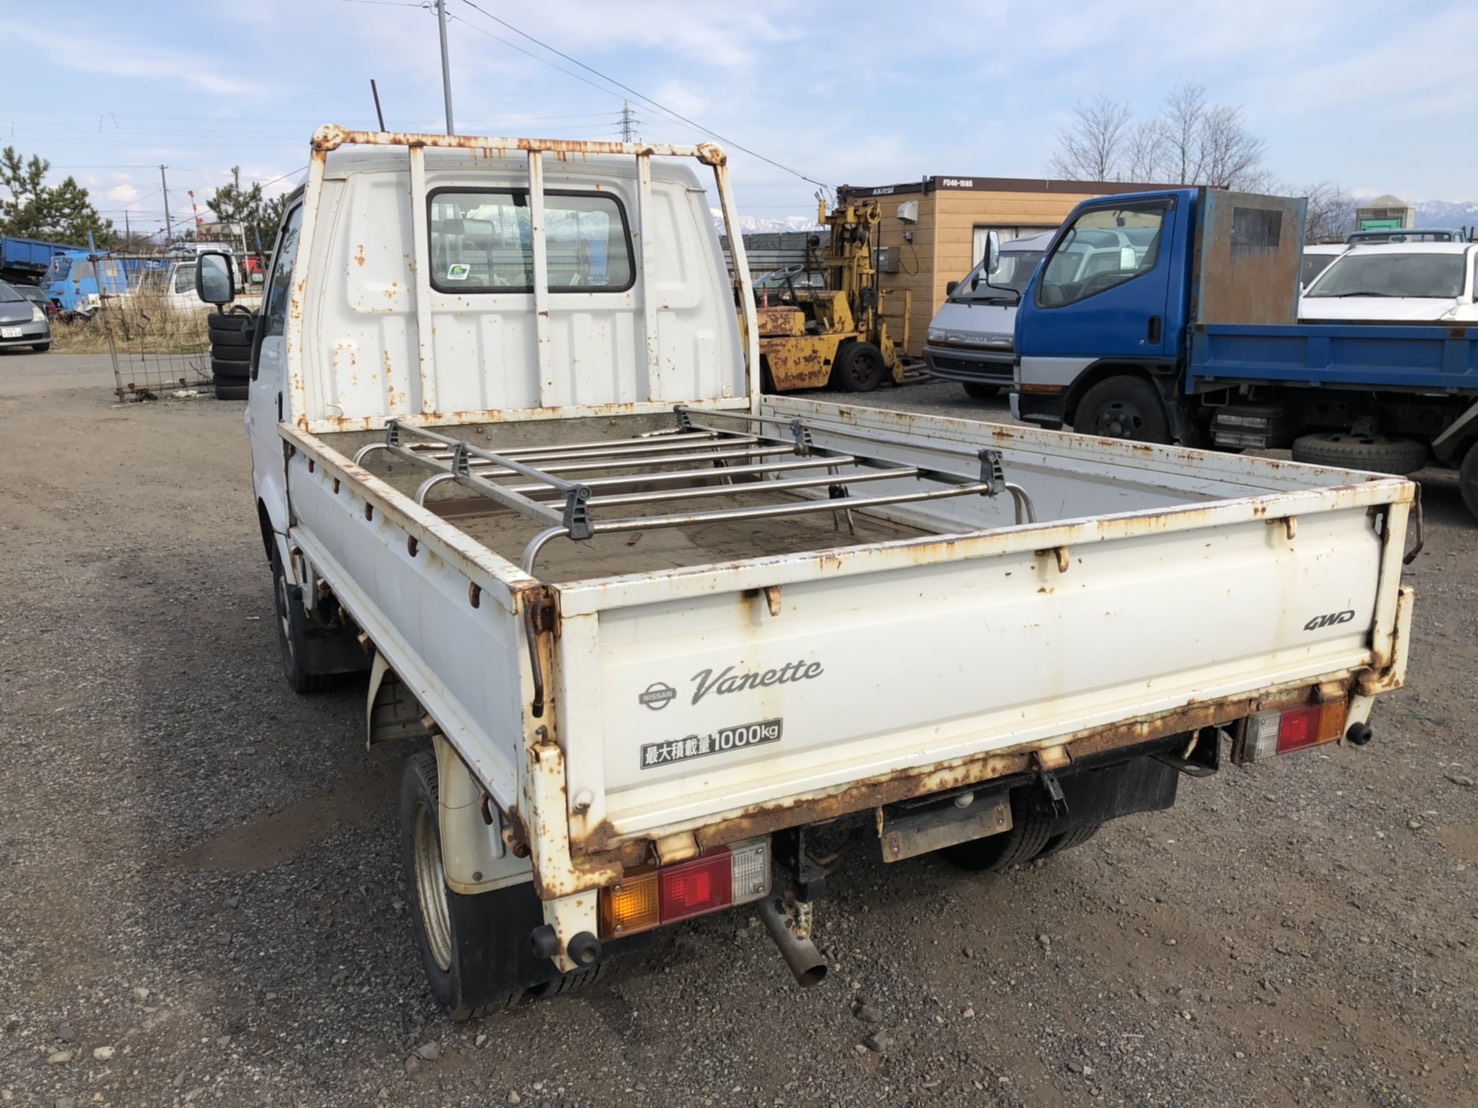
(663, 645)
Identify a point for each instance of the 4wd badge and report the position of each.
(656, 696)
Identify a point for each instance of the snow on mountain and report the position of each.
(751, 224)
(1446, 213)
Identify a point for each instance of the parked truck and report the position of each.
(659, 644)
(25, 261)
(1188, 332)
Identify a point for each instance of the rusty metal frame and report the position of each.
(331, 137)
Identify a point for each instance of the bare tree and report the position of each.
(1191, 142)
(1092, 148)
(1331, 212)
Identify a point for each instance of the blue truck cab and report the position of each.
(1172, 316)
(1102, 332)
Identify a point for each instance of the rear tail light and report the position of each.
(1285, 730)
(723, 877)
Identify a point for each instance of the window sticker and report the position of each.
(458, 271)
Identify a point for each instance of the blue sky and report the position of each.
(1374, 97)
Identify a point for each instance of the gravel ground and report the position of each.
(201, 899)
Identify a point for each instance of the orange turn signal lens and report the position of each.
(630, 905)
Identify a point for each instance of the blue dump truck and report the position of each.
(77, 283)
(26, 261)
(1172, 316)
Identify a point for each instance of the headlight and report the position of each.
(936, 335)
(37, 315)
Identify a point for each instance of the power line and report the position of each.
(660, 107)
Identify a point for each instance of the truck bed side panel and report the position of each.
(1427, 358)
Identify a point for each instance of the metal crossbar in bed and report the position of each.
(570, 486)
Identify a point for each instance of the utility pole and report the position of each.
(164, 185)
(446, 71)
(236, 173)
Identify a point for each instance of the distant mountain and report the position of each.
(1445, 213)
(751, 224)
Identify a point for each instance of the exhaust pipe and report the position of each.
(795, 944)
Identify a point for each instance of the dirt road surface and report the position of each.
(201, 903)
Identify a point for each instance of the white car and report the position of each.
(1408, 282)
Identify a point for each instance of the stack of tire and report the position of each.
(230, 352)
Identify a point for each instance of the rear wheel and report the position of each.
(1123, 408)
(1028, 837)
(1467, 479)
(453, 949)
(475, 949)
(1348, 449)
(1069, 839)
(859, 367)
(981, 392)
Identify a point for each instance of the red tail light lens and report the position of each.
(1285, 730)
(697, 887)
(723, 877)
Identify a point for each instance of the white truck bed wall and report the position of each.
(1199, 579)
(373, 346)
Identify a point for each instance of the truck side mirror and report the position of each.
(950, 286)
(215, 281)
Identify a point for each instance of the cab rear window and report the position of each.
(482, 241)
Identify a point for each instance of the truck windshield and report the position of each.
(482, 241)
(59, 267)
(1103, 248)
(1435, 276)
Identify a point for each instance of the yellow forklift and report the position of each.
(835, 335)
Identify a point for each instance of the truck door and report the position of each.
(1101, 296)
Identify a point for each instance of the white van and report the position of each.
(970, 338)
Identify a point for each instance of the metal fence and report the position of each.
(158, 347)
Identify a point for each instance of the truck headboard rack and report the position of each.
(570, 486)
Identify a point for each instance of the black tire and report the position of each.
(859, 367)
(1123, 408)
(982, 392)
(1029, 835)
(230, 338)
(455, 958)
(289, 621)
(40, 347)
(231, 372)
(1374, 453)
(236, 322)
(1467, 479)
(231, 353)
(231, 391)
(1069, 839)
(476, 949)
